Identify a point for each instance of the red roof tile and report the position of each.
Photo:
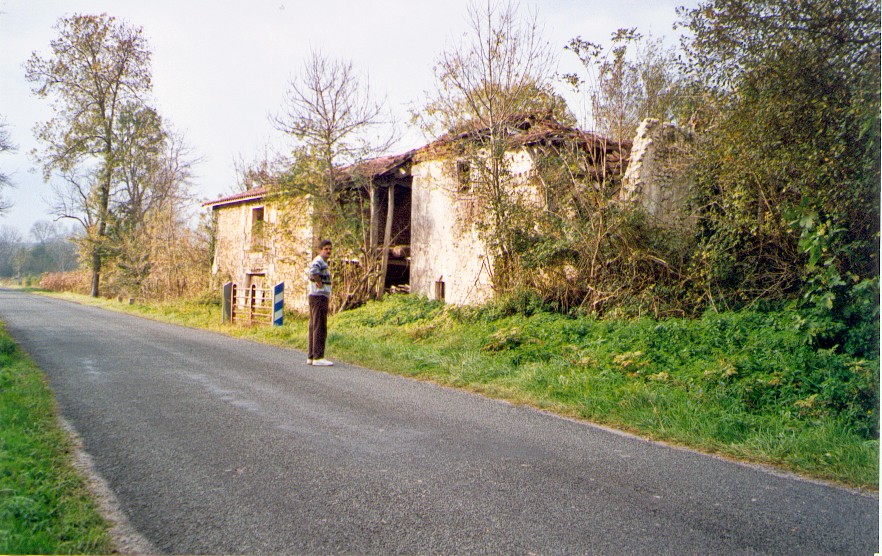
(528, 130)
(241, 197)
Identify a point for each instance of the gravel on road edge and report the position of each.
(125, 538)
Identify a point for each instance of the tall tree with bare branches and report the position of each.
(6, 145)
(335, 122)
(499, 73)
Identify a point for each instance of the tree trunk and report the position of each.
(96, 271)
(103, 204)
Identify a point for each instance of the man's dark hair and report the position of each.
(323, 243)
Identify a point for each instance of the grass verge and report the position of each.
(45, 507)
(747, 385)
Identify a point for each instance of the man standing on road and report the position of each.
(319, 298)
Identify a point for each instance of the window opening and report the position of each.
(257, 228)
(464, 175)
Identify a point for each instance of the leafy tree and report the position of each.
(788, 171)
(141, 145)
(98, 67)
(119, 163)
(153, 181)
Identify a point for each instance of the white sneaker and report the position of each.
(309, 361)
(322, 363)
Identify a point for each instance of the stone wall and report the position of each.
(444, 245)
(281, 255)
(655, 175)
(230, 226)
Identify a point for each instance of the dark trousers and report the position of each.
(318, 326)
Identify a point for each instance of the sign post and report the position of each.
(227, 305)
(278, 304)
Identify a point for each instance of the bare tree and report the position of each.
(10, 245)
(336, 122)
(6, 145)
(496, 73)
(44, 231)
(73, 199)
(634, 79)
(263, 170)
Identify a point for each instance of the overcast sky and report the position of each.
(221, 67)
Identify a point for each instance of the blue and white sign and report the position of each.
(278, 303)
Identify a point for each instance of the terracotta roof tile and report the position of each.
(527, 130)
(241, 197)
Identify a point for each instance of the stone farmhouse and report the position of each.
(434, 250)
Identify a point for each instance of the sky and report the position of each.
(221, 68)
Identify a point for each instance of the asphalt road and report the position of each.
(217, 445)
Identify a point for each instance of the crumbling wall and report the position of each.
(656, 176)
(445, 243)
(445, 246)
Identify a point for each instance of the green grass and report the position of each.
(45, 507)
(747, 385)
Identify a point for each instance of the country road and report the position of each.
(214, 445)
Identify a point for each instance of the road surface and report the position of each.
(218, 445)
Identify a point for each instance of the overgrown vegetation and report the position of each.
(779, 101)
(45, 507)
(787, 162)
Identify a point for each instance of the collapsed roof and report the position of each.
(527, 130)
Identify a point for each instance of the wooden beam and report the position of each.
(387, 241)
(375, 217)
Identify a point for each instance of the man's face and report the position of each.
(325, 252)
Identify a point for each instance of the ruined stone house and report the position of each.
(263, 238)
(435, 250)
